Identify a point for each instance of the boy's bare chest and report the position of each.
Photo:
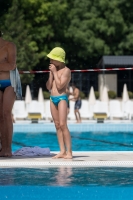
(59, 77)
(60, 73)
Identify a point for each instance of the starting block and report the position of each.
(34, 117)
(100, 117)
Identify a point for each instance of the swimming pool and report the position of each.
(66, 183)
(81, 141)
(124, 126)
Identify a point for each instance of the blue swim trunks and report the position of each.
(57, 99)
(4, 84)
(78, 104)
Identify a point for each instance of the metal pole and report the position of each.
(103, 74)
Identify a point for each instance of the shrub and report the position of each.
(96, 94)
(112, 94)
(46, 94)
(130, 94)
(82, 95)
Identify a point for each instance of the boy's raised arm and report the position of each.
(64, 80)
(50, 81)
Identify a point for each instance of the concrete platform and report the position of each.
(80, 159)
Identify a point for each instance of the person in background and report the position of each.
(78, 103)
(10, 88)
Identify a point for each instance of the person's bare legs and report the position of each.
(1, 118)
(75, 112)
(9, 97)
(77, 115)
(68, 110)
(2, 127)
(62, 109)
(55, 115)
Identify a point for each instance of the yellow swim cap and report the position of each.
(57, 54)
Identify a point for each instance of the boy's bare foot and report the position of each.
(60, 155)
(68, 156)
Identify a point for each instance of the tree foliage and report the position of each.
(15, 30)
(101, 27)
(86, 29)
(45, 21)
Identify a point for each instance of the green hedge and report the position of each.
(46, 94)
(96, 94)
(130, 94)
(82, 95)
(112, 94)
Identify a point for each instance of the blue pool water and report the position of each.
(81, 141)
(66, 183)
(69, 183)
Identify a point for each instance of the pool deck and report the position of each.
(80, 159)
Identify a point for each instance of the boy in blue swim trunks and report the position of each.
(59, 78)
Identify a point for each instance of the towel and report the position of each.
(32, 151)
(16, 83)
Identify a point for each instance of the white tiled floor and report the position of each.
(84, 159)
(74, 121)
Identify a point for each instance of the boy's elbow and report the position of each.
(59, 87)
(48, 88)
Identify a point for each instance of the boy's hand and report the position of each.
(52, 68)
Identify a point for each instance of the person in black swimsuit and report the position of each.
(78, 103)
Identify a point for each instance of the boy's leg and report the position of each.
(62, 108)
(55, 115)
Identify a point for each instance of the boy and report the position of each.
(59, 78)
